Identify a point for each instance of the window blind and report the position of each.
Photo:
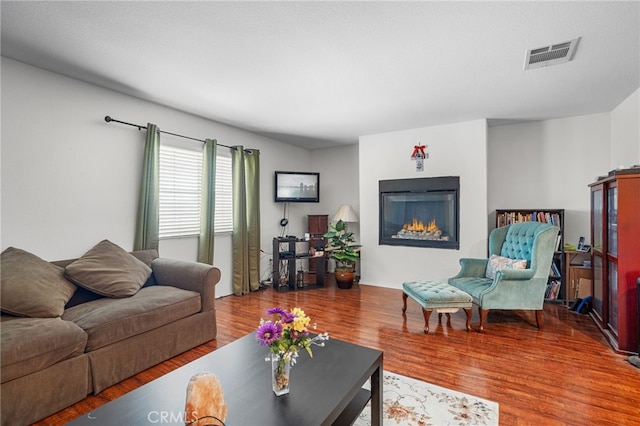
(224, 206)
(180, 188)
(180, 185)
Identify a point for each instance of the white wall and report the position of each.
(339, 183)
(69, 179)
(548, 164)
(454, 150)
(625, 133)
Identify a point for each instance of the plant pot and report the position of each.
(344, 279)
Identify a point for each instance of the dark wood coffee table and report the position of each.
(325, 389)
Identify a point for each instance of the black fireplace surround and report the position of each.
(421, 212)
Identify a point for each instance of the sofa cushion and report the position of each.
(107, 321)
(146, 256)
(33, 344)
(108, 270)
(498, 263)
(474, 286)
(32, 287)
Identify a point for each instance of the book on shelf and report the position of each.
(504, 218)
(553, 290)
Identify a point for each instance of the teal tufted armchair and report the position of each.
(511, 288)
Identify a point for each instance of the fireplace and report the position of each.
(422, 212)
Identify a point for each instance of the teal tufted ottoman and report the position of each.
(438, 296)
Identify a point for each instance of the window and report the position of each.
(180, 187)
(180, 184)
(224, 203)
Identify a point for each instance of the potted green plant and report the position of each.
(340, 245)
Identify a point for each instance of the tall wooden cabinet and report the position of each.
(318, 226)
(615, 257)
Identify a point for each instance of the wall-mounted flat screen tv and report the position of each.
(297, 187)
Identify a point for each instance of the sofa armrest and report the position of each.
(511, 290)
(193, 276)
(472, 267)
(514, 274)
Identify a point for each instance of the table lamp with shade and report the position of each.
(346, 214)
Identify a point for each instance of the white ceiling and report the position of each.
(320, 74)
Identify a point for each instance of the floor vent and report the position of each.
(554, 54)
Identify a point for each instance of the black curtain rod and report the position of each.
(109, 119)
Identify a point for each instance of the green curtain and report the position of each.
(148, 220)
(208, 203)
(246, 220)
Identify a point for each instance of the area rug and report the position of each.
(409, 401)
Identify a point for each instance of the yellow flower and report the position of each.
(298, 312)
(301, 322)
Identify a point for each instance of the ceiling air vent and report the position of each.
(558, 53)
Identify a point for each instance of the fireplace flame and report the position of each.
(419, 226)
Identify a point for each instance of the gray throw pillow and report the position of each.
(31, 286)
(109, 270)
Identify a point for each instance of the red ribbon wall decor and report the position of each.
(419, 156)
(418, 151)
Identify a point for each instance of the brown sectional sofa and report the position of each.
(51, 363)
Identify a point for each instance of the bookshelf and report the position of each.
(288, 252)
(557, 284)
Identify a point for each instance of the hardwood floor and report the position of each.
(564, 374)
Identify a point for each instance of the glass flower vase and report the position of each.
(280, 373)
